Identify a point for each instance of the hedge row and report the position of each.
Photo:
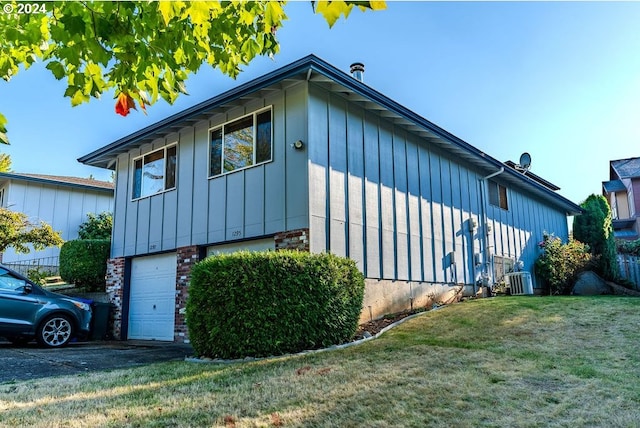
(83, 262)
(271, 303)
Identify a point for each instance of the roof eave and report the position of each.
(102, 156)
(18, 177)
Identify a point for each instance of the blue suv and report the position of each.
(27, 311)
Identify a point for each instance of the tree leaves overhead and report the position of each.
(5, 162)
(144, 49)
(3, 130)
(332, 9)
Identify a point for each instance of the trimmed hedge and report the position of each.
(84, 262)
(271, 303)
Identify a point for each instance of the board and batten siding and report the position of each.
(65, 208)
(403, 209)
(254, 202)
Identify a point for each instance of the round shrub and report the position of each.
(270, 303)
(559, 264)
(84, 262)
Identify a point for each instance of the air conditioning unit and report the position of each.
(520, 283)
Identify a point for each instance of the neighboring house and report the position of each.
(62, 202)
(623, 194)
(308, 157)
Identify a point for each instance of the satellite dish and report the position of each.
(525, 161)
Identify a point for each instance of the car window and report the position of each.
(9, 282)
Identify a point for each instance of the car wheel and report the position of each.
(55, 331)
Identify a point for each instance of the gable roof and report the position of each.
(626, 168)
(58, 180)
(314, 69)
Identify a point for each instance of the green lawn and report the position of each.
(504, 362)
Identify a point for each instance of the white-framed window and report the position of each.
(498, 195)
(1, 197)
(241, 143)
(154, 172)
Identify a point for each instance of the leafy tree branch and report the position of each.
(144, 50)
(17, 231)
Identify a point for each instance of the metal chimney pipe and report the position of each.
(357, 71)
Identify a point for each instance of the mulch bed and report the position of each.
(374, 327)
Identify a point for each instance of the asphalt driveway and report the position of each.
(32, 362)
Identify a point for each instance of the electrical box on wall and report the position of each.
(477, 259)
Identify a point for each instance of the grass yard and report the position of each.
(503, 362)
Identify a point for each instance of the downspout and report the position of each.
(484, 235)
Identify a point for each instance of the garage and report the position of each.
(152, 297)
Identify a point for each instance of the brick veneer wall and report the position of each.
(187, 256)
(115, 291)
(292, 240)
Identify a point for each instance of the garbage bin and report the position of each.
(100, 321)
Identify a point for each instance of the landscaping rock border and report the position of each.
(312, 351)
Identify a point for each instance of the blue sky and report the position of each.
(558, 80)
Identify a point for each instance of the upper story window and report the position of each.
(154, 172)
(498, 195)
(241, 143)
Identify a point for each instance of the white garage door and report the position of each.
(152, 298)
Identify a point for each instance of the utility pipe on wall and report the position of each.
(484, 236)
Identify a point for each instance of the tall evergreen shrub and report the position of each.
(595, 228)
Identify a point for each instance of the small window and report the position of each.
(498, 195)
(154, 172)
(241, 143)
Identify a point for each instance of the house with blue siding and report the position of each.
(62, 202)
(309, 157)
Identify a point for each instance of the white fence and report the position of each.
(630, 268)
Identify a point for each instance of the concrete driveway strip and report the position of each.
(32, 362)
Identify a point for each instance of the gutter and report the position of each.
(484, 235)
